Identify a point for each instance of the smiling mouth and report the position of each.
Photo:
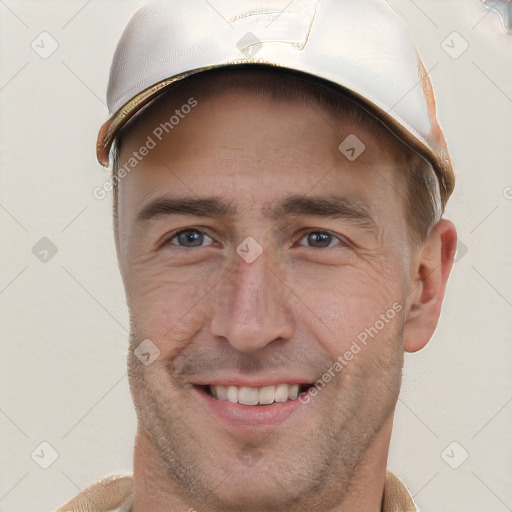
(265, 395)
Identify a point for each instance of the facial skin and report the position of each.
(285, 317)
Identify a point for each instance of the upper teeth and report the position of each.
(255, 396)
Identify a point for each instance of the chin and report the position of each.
(248, 498)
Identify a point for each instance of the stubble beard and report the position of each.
(314, 470)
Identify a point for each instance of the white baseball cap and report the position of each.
(359, 47)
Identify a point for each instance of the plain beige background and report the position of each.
(64, 320)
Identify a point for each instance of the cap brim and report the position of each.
(440, 162)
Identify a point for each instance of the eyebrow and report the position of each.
(331, 206)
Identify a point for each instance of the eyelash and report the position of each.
(343, 241)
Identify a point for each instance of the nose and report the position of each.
(254, 306)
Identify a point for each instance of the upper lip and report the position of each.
(254, 382)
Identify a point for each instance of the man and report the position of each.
(279, 181)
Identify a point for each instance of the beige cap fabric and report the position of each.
(360, 46)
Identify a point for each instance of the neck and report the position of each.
(154, 492)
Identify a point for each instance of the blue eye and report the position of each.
(190, 238)
(193, 236)
(322, 239)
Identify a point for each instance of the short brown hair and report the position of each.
(423, 202)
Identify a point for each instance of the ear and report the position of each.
(429, 274)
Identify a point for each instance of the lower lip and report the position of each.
(250, 417)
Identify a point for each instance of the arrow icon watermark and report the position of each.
(352, 147)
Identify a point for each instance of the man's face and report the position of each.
(286, 316)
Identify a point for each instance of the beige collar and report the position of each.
(396, 497)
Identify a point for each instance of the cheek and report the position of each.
(352, 303)
(166, 305)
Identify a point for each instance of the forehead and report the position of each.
(225, 87)
(255, 137)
